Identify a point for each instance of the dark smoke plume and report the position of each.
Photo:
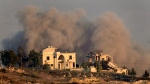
(71, 31)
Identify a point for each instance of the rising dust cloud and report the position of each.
(72, 31)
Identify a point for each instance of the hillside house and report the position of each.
(58, 60)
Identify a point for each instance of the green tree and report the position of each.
(34, 58)
(146, 74)
(84, 65)
(21, 55)
(46, 66)
(9, 58)
(133, 72)
(98, 66)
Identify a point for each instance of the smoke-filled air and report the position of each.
(73, 32)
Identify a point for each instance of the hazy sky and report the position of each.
(135, 14)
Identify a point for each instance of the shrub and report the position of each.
(3, 70)
(133, 72)
(46, 66)
(34, 75)
(146, 74)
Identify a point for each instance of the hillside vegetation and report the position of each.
(36, 76)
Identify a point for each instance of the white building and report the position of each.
(58, 60)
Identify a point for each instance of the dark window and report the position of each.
(102, 59)
(66, 64)
(48, 58)
(51, 64)
(77, 65)
(70, 57)
(54, 56)
(98, 58)
(73, 64)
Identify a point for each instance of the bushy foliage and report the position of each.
(146, 74)
(9, 58)
(133, 72)
(98, 66)
(46, 66)
(84, 65)
(34, 58)
(21, 56)
(3, 70)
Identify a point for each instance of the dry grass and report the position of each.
(91, 80)
(20, 78)
(49, 77)
(30, 76)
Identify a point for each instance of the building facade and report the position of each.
(58, 60)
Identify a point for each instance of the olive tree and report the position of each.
(34, 58)
(9, 58)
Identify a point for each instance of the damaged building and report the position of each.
(106, 62)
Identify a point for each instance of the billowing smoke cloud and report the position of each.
(112, 37)
(71, 31)
(61, 30)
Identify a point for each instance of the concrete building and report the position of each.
(58, 60)
(106, 61)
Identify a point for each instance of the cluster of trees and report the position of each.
(146, 74)
(132, 72)
(96, 64)
(10, 58)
